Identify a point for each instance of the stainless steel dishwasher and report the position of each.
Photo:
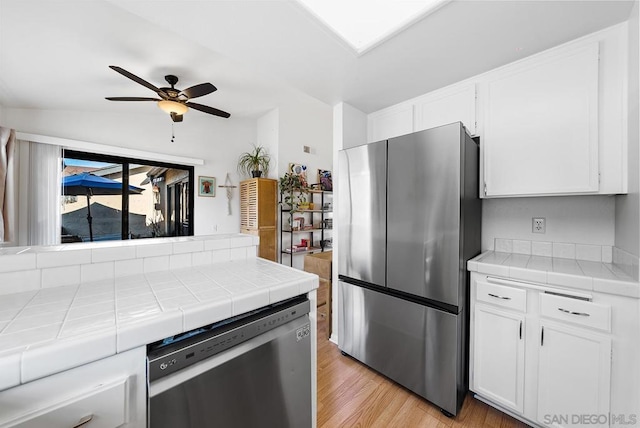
(252, 370)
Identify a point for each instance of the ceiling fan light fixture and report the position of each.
(169, 106)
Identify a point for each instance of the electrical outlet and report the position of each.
(538, 225)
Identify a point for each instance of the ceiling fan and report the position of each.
(172, 100)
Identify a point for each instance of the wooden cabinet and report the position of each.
(321, 265)
(574, 374)
(258, 214)
(541, 126)
(498, 370)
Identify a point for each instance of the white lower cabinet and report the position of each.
(574, 376)
(540, 356)
(104, 394)
(498, 365)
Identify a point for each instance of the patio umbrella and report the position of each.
(89, 185)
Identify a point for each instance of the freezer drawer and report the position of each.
(417, 346)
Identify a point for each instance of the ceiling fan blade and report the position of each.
(132, 99)
(176, 117)
(137, 79)
(210, 110)
(198, 90)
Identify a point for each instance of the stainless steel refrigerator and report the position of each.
(409, 219)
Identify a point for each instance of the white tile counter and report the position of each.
(564, 272)
(44, 330)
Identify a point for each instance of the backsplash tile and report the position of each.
(504, 245)
(112, 254)
(521, 247)
(564, 251)
(14, 282)
(14, 262)
(32, 268)
(56, 277)
(540, 248)
(49, 259)
(97, 271)
(592, 253)
(156, 264)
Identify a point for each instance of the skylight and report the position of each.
(365, 23)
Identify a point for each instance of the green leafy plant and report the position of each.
(254, 163)
(294, 189)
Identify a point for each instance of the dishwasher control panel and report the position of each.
(177, 352)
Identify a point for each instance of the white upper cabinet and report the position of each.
(455, 103)
(390, 122)
(554, 123)
(541, 126)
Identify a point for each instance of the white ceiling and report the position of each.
(262, 53)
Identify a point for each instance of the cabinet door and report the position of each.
(390, 122)
(541, 127)
(454, 104)
(498, 356)
(573, 376)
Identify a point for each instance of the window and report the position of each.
(112, 198)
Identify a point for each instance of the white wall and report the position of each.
(308, 123)
(573, 219)
(627, 233)
(268, 136)
(218, 141)
(302, 124)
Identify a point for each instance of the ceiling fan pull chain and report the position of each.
(173, 137)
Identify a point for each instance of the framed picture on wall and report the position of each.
(206, 186)
(325, 180)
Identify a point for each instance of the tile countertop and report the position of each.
(46, 331)
(571, 273)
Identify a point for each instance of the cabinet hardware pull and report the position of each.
(520, 329)
(582, 314)
(83, 421)
(542, 337)
(499, 297)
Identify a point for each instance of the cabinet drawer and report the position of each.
(105, 406)
(500, 295)
(576, 311)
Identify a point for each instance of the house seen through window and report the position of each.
(114, 198)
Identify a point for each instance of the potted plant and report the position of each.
(294, 189)
(254, 163)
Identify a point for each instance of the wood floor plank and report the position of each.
(352, 395)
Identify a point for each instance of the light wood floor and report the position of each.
(351, 395)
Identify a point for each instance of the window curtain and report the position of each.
(8, 206)
(44, 194)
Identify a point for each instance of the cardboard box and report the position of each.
(319, 263)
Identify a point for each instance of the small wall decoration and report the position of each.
(298, 169)
(325, 180)
(206, 186)
(227, 185)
